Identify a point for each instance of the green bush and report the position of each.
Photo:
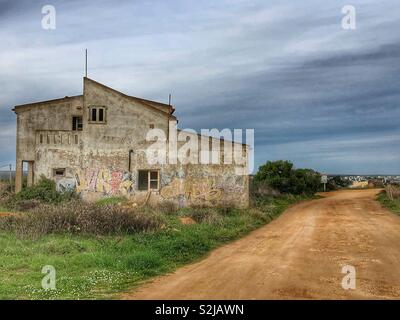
(337, 182)
(42, 192)
(284, 178)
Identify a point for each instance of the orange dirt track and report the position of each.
(298, 256)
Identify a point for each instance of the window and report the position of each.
(153, 180)
(97, 114)
(151, 125)
(94, 114)
(60, 172)
(101, 115)
(77, 124)
(41, 138)
(149, 180)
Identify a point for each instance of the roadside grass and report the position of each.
(100, 267)
(393, 205)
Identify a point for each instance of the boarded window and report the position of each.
(77, 124)
(149, 180)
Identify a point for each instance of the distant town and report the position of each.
(369, 181)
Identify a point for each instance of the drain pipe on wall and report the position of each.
(130, 160)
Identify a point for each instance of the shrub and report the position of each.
(205, 215)
(42, 192)
(166, 207)
(79, 217)
(392, 191)
(284, 178)
(262, 189)
(5, 188)
(337, 182)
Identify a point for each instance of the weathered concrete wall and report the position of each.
(51, 116)
(97, 158)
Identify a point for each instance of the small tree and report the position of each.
(276, 174)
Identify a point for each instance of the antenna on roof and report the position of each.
(86, 63)
(169, 100)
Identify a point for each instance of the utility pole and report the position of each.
(10, 174)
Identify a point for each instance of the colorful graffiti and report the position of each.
(198, 191)
(105, 181)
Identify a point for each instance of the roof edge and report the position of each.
(147, 102)
(31, 104)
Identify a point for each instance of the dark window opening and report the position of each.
(148, 180)
(77, 124)
(101, 115)
(60, 172)
(94, 114)
(143, 180)
(41, 138)
(151, 125)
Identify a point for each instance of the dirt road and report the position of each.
(299, 256)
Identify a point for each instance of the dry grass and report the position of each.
(393, 192)
(83, 218)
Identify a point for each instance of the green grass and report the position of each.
(94, 267)
(111, 200)
(393, 205)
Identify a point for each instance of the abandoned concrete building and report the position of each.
(95, 144)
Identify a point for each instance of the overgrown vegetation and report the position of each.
(337, 182)
(102, 248)
(77, 217)
(390, 198)
(108, 256)
(30, 197)
(282, 177)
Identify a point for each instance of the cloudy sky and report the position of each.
(316, 94)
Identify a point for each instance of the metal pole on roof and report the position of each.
(86, 59)
(169, 100)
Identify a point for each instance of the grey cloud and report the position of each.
(285, 69)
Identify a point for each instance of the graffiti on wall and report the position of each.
(196, 191)
(66, 184)
(105, 181)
